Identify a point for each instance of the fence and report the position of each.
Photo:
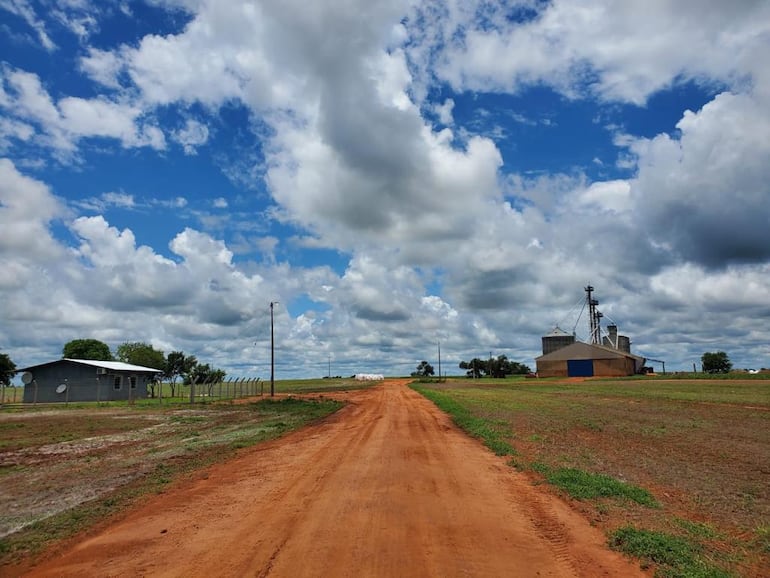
(11, 394)
(72, 391)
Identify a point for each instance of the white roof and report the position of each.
(114, 365)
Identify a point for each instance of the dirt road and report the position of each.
(386, 487)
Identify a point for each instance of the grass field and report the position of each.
(64, 468)
(662, 465)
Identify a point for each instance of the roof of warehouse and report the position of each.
(580, 350)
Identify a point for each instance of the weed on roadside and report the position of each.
(673, 556)
(583, 485)
(476, 426)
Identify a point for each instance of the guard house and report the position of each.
(85, 380)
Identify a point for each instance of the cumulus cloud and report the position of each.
(704, 193)
(360, 148)
(62, 124)
(619, 50)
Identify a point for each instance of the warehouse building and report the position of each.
(588, 360)
(605, 356)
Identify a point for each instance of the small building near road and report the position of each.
(588, 360)
(85, 380)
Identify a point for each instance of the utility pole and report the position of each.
(330, 367)
(272, 352)
(439, 361)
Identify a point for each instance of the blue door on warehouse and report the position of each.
(580, 367)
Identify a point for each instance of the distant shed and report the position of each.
(588, 360)
(85, 380)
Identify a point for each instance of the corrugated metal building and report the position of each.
(85, 380)
(586, 360)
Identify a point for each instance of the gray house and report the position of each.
(85, 380)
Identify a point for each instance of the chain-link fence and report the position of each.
(72, 391)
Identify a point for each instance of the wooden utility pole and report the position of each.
(272, 352)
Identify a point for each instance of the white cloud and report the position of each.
(193, 135)
(64, 123)
(444, 112)
(607, 196)
(11, 130)
(620, 50)
(24, 10)
(102, 66)
(26, 209)
(705, 193)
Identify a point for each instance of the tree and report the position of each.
(87, 349)
(716, 362)
(424, 369)
(494, 367)
(204, 374)
(178, 365)
(473, 367)
(142, 354)
(7, 369)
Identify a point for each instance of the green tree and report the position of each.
(178, 365)
(424, 369)
(715, 362)
(87, 349)
(142, 354)
(474, 367)
(7, 369)
(494, 367)
(203, 374)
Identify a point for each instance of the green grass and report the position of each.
(731, 376)
(490, 434)
(702, 445)
(674, 556)
(583, 485)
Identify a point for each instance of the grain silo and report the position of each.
(619, 342)
(557, 339)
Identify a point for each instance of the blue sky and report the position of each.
(394, 174)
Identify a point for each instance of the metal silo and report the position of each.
(557, 339)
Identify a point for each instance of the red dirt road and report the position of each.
(388, 486)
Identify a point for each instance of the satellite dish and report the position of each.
(26, 378)
(61, 388)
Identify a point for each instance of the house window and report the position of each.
(132, 381)
(117, 382)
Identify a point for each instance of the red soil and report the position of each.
(388, 486)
